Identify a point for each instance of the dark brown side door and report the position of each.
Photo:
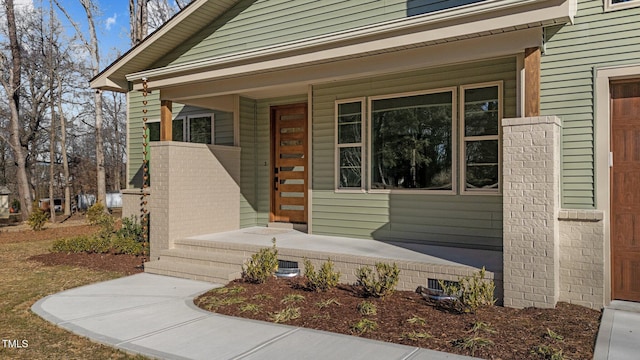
(625, 190)
(289, 159)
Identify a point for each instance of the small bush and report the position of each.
(548, 352)
(382, 283)
(37, 218)
(131, 229)
(95, 213)
(97, 244)
(472, 343)
(363, 326)
(125, 245)
(471, 292)
(367, 308)
(262, 265)
(323, 279)
(290, 313)
(79, 244)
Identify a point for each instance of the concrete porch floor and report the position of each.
(411, 252)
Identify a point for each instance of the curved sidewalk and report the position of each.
(154, 315)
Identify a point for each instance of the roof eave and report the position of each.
(109, 79)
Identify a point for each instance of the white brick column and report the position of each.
(531, 200)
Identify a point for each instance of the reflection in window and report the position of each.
(154, 131)
(412, 142)
(200, 130)
(481, 119)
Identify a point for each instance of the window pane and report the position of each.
(154, 131)
(350, 167)
(200, 130)
(481, 111)
(349, 123)
(177, 130)
(481, 164)
(412, 142)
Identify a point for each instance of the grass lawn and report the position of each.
(22, 283)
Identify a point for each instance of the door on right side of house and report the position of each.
(625, 189)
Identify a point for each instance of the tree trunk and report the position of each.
(52, 132)
(95, 69)
(13, 90)
(63, 149)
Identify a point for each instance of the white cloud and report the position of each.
(111, 21)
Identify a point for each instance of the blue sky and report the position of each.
(112, 25)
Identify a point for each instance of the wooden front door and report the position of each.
(289, 159)
(625, 190)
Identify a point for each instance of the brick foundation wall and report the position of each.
(582, 278)
(195, 190)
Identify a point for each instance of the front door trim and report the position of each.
(602, 135)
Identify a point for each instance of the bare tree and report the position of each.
(11, 82)
(146, 16)
(91, 45)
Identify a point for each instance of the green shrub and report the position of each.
(262, 265)
(380, 284)
(125, 245)
(471, 292)
(97, 244)
(97, 215)
(367, 308)
(83, 243)
(37, 218)
(131, 229)
(323, 279)
(363, 326)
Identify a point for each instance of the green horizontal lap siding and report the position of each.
(256, 157)
(248, 206)
(461, 220)
(282, 21)
(596, 39)
(134, 129)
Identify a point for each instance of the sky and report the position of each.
(112, 23)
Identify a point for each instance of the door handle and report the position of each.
(275, 179)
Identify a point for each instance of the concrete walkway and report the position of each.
(619, 334)
(154, 315)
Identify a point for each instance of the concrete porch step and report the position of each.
(213, 274)
(231, 261)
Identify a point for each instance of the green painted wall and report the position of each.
(255, 184)
(597, 39)
(223, 128)
(282, 21)
(465, 220)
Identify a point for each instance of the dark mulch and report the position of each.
(126, 264)
(407, 318)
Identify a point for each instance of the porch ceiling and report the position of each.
(507, 28)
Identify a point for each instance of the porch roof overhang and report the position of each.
(481, 30)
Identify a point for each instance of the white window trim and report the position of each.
(453, 90)
(337, 146)
(187, 126)
(610, 6)
(463, 139)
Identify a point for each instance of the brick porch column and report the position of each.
(531, 200)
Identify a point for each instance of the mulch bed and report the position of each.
(126, 264)
(407, 318)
